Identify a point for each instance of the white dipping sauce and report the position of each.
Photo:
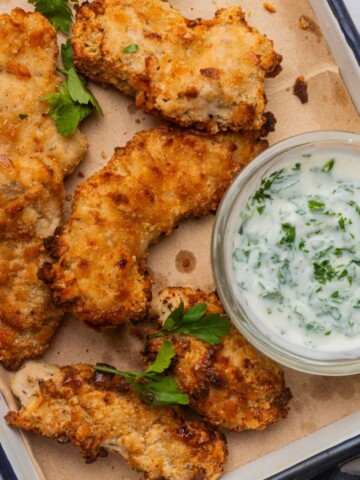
(296, 252)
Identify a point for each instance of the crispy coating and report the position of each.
(33, 161)
(230, 384)
(160, 177)
(96, 411)
(208, 74)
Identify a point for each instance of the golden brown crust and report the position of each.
(208, 74)
(96, 411)
(33, 161)
(160, 177)
(230, 384)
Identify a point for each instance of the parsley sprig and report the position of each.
(58, 12)
(151, 386)
(210, 328)
(73, 101)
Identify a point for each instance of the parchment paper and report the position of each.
(318, 401)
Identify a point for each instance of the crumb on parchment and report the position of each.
(300, 89)
(304, 23)
(269, 7)
(308, 24)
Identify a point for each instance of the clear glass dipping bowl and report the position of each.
(344, 362)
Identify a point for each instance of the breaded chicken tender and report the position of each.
(96, 411)
(230, 384)
(160, 177)
(208, 74)
(33, 161)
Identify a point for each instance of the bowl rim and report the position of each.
(326, 366)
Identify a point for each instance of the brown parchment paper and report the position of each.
(318, 401)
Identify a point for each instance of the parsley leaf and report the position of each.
(355, 205)
(152, 387)
(290, 233)
(58, 12)
(163, 359)
(315, 205)
(159, 391)
(323, 271)
(341, 223)
(67, 54)
(328, 166)
(73, 102)
(262, 193)
(209, 328)
(131, 48)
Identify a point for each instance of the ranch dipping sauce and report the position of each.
(295, 252)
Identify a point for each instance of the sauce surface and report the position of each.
(296, 252)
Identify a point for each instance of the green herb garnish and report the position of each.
(290, 234)
(323, 271)
(22, 116)
(266, 183)
(354, 205)
(73, 102)
(152, 387)
(58, 12)
(131, 48)
(316, 205)
(328, 166)
(67, 55)
(209, 328)
(341, 223)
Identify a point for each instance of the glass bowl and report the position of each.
(251, 321)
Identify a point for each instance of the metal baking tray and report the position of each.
(329, 446)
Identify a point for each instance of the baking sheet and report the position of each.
(318, 401)
(343, 38)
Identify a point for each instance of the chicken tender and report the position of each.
(160, 177)
(230, 384)
(208, 74)
(96, 411)
(28, 56)
(33, 161)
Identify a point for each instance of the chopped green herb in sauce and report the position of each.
(297, 252)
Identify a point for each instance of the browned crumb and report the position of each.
(308, 24)
(269, 7)
(81, 175)
(300, 89)
(103, 154)
(68, 198)
(304, 23)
